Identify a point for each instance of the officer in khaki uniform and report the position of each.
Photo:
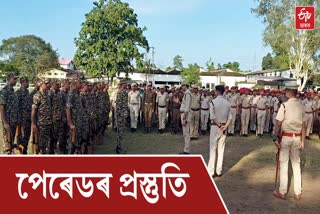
(292, 128)
(220, 116)
(261, 112)
(148, 107)
(162, 101)
(134, 103)
(245, 101)
(253, 112)
(276, 104)
(204, 103)
(234, 100)
(195, 112)
(309, 108)
(186, 117)
(268, 111)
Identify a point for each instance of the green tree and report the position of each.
(110, 39)
(235, 66)
(29, 55)
(191, 74)
(267, 62)
(219, 66)
(5, 68)
(210, 65)
(298, 46)
(177, 62)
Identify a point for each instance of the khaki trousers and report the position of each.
(233, 121)
(290, 148)
(217, 144)
(204, 119)
(245, 117)
(261, 117)
(267, 120)
(134, 114)
(253, 119)
(194, 127)
(308, 118)
(162, 117)
(186, 133)
(274, 121)
(148, 110)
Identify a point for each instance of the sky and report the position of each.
(198, 30)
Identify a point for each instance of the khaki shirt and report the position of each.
(275, 105)
(195, 101)
(269, 101)
(186, 102)
(254, 101)
(162, 99)
(262, 102)
(308, 105)
(204, 102)
(292, 116)
(134, 98)
(220, 110)
(234, 99)
(245, 101)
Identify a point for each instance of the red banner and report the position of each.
(121, 184)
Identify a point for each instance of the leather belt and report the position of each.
(134, 103)
(214, 124)
(246, 107)
(308, 112)
(233, 106)
(261, 109)
(275, 111)
(204, 109)
(148, 103)
(195, 109)
(162, 106)
(286, 134)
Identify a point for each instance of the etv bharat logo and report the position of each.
(305, 18)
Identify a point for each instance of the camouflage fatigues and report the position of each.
(57, 108)
(74, 104)
(25, 106)
(121, 115)
(106, 110)
(85, 101)
(43, 107)
(63, 130)
(9, 101)
(100, 115)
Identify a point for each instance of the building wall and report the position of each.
(217, 80)
(55, 74)
(69, 66)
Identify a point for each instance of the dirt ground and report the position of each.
(249, 169)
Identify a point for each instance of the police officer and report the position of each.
(9, 110)
(162, 102)
(261, 112)
(134, 100)
(292, 128)
(245, 101)
(234, 100)
(204, 103)
(148, 107)
(220, 116)
(186, 117)
(195, 112)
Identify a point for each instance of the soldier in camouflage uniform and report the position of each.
(75, 114)
(121, 115)
(25, 106)
(113, 101)
(63, 130)
(41, 117)
(57, 110)
(92, 105)
(106, 105)
(86, 103)
(32, 139)
(100, 114)
(9, 110)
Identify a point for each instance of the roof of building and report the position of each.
(64, 61)
(223, 72)
(267, 71)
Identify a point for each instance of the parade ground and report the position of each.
(249, 169)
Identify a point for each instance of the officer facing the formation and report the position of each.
(204, 103)
(148, 107)
(186, 117)
(220, 116)
(25, 106)
(162, 102)
(245, 100)
(195, 112)
(41, 117)
(9, 110)
(134, 100)
(291, 129)
(121, 116)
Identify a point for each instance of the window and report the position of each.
(291, 75)
(207, 85)
(55, 74)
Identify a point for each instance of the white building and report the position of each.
(67, 64)
(225, 77)
(269, 78)
(61, 74)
